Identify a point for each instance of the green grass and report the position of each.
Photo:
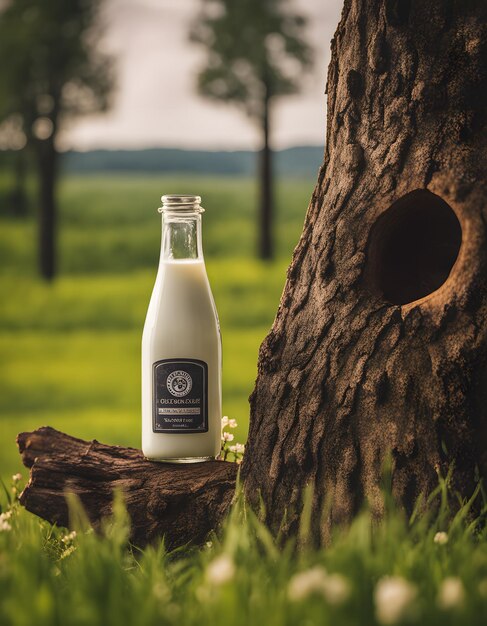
(70, 351)
(110, 224)
(388, 573)
(70, 354)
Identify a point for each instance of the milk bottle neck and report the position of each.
(181, 228)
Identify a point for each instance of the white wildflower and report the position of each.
(441, 538)
(393, 597)
(232, 423)
(221, 570)
(451, 593)
(67, 552)
(5, 526)
(160, 591)
(227, 436)
(304, 584)
(483, 588)
(4, 523)
(238, 448)
(225, 421)
(336, 589)
(16, 478)
(69, 537)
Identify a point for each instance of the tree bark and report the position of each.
(181, 503)
(266, 247)
(379, 345)
(47, 158)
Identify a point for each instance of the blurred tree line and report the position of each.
(52, 70)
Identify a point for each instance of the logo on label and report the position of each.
(179, 383)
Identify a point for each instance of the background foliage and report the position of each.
(71, 349)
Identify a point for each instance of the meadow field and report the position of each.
(70, 350)
(70, 355)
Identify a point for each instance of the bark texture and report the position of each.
(183, 503)
(379, 343)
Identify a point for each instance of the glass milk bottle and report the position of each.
(181, 346)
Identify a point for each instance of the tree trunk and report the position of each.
(181, 503)
(379, 343)
(47, 166)
(19, 196)
(266, 248)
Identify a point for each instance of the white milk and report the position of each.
(181, 359)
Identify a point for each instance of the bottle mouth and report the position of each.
(181, 202)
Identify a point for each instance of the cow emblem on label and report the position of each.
(179, 383)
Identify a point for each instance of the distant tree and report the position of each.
(12, 146)
(51, 71)
(256, 52)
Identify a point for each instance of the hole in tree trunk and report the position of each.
(413, 247)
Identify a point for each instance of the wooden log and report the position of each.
(181, 503)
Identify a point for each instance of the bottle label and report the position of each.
(180, 396)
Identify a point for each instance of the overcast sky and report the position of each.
(156, 103)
